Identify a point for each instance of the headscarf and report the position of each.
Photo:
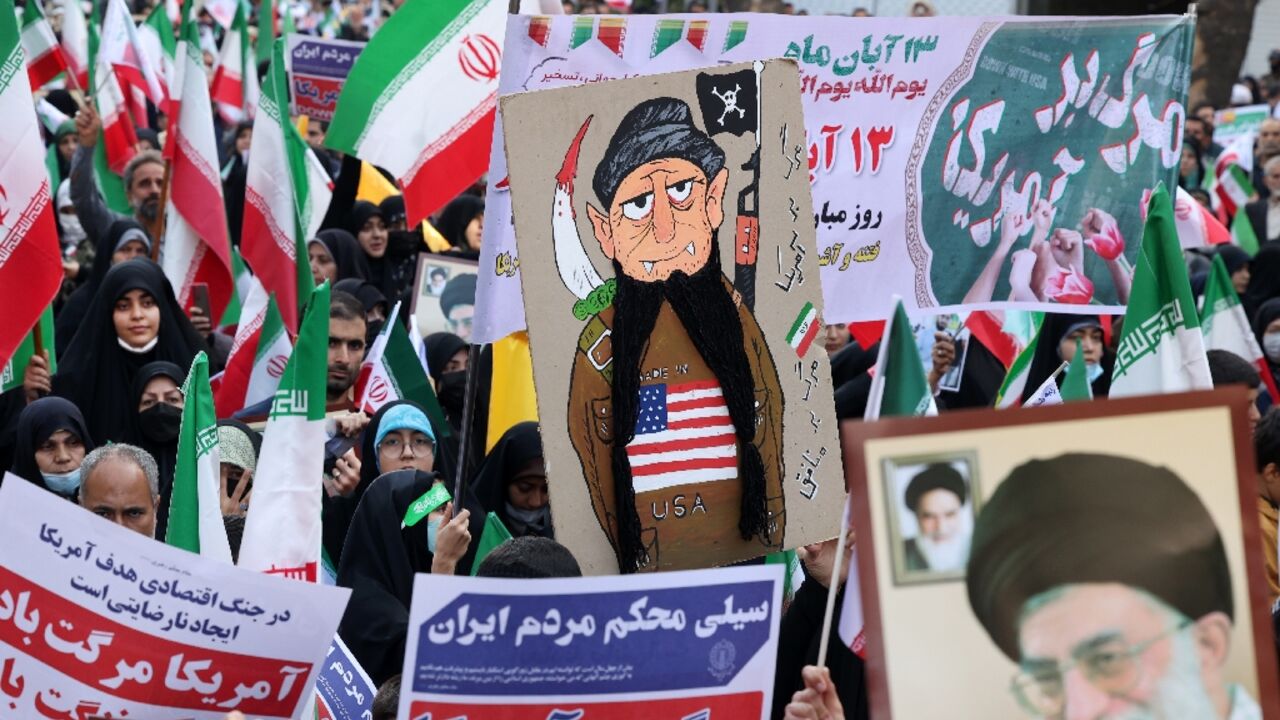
(361, 212)
(165, 453)
(392, 209)
(455, 218)
(393, 272)
(1092, 518)
(37, 423)
(366, 292)
(1192, 181)
(65, 129)
(517, 446)
(1046, 360)
(441, 347)
(97, 374)
(379, 560)
(239, 444)
(1264, 278)
(73, 312)
(1268, 313)
(346, 253)
(1233, 257)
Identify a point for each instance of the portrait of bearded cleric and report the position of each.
(674, 405)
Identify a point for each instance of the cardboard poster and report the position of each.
(97, 620)
(668, 259)
(938, 149)
(1096, 559)
(692, 645)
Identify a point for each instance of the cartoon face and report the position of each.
(663, 218)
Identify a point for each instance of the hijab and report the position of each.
(164, 450)
(517, 447)
(1264, 278)
(1268, 313)
(393, 210)
(366, 292)
(455, 218)
(1233, 257)
(97, 374)
(379, 560)
(37, 423)
(1046, 361)
(393, 272)
(346, 253)
(440, 348)
(73, 312)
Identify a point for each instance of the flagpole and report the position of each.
(829, 612)
(157, 226)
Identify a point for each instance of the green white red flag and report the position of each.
(30, 256)
(196, 248)
(44, 55)
(1015, 381)
(1232, 186)
(121, 48)
(286, 195)
(900, 387)
(258, 355)
(1225, 325)
(235, 77)
(75, 42)
(155, 35)
(1242, 234)
(421, 98)
(195, 513)
(392, 371)
(282, 530)
(1161, 349)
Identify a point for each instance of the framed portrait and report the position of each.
(444, 295)
(932, 501)
(1114, 565)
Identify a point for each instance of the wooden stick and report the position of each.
(157, 226)
(825, 638)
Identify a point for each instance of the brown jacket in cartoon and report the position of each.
(684, 458)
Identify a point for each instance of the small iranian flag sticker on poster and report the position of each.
(804, 329)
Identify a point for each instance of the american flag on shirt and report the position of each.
(683, 436)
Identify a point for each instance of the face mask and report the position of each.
(373, 327)
(161, 422)
(453, 390)
(1094, 371)
(433, 527)
(1271, 346)
(63, 483)
(139, 350)
(533, 518)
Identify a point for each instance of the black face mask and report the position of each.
(452, 391)
(160, 422)
(373, 327)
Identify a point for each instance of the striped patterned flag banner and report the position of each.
(683, 436)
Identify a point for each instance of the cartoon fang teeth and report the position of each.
(648, 266)
(689, 249)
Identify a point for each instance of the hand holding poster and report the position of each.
(957, 162)
(699, 644)
(99, 620)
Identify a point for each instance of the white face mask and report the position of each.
(65, 484)
(1271, 346)
(72, 230)
(433, 528)
(1094, 370)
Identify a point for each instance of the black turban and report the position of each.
(653, 130)
(460, 290)
(1085, 518)
(939, 476)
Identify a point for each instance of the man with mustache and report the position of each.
(675, 408)
(143, 181)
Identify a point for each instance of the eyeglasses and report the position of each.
(394, 446)
(1110, 666)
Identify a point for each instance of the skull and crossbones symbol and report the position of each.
(730, 101)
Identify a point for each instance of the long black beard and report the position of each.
(707, 312)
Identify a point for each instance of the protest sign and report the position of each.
(1073, 536)
(697, 644)
(729, 430)
(317, 67)
(99, 620)
(437, 307)
(343, 689)
(1232, 123)
(922, 135)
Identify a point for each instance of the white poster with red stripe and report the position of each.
(680, 390)
(97, 620)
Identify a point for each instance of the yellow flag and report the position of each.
(303, 123)
(435, 241)
(374, 186)
(511, 399)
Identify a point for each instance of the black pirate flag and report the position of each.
(728, 102)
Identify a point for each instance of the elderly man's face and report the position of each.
(1269, 137)
(938, 513)
(118, 491)
(662, 219)
(1126, 657)
(1271, 178)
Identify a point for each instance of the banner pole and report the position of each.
(829, 612)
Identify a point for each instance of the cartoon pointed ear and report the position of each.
(715, 198)
(603, 231)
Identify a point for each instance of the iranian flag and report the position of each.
(121, 48)
(282, 531)
(196, 249)
(30, 256)
(195, 514)
(155, 35)
(287, 192)
(235, 78)
(391, 113)
(392, 371)
(1197, 226)
(900, 387)
(44, 55)
(1226, 327)
(1232, 187)
(1242, 234)
(119, 139)
(804, 329)
(258, 355)
(75, 42)
(1161, 349)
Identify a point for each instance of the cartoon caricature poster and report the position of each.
(671, 285)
